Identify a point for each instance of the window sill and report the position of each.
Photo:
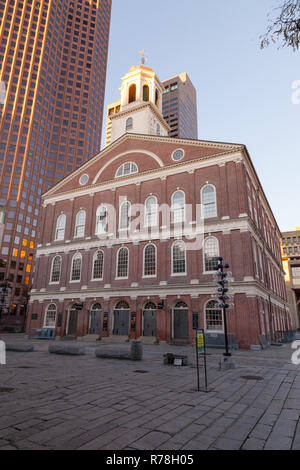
(178, 274)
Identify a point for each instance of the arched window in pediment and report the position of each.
(127, 169)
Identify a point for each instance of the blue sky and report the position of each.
(244, 93)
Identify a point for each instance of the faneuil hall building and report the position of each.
(130, 241)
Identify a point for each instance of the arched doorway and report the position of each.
(95, 319)
(121, 319)
(181, 321)
(71, 329)
(149, 319)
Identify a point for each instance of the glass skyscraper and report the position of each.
(53, 58)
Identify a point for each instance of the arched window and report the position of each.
(156, 98)
(60, 227)
(150, 260)
(80, 224)
(132, 93)
(178, 207)
(129, 124)
(178, 258)
(151, 212)
(122, 305)
(122, 263)
(50, 317)
(211, 254)
(55, 271)
(157, 129)
(127, 169)
(101, 220)
(124, 222)
(209, 202)
(150, 306)
(213, 317)
(96, 307)
(98, 265)
(145, 93)
(181, 304)
(76, 267)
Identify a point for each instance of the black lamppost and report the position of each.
(223, 297)
(4, 286)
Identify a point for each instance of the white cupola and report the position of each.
(141, 105)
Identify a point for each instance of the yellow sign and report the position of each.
(200, 341)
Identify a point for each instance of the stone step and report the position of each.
(147, 339)
(88, 338)
(115, 339)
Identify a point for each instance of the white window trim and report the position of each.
(120, 216)
(55, 282)
(146, 225)
(76, 256)
(180, 159)
(117, 265)
(94, 258)
(149, 276)
(201, 199)
(45, 316)
(205, 322)
(172, 210)
(128, 174)
(56, 228)
(203, 250)
(185, 259)
(105, 232)
(76, 224)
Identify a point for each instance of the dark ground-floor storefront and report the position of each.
(172, 318)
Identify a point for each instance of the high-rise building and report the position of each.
(53, 57)
(179, 108)
(291, 266)
(112, 108)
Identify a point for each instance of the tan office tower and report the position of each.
(179, 108)
(53, 57)
(291, 266)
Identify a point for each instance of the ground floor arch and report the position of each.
(180, 321)
(149, 319)
(95, 319)
(121, 314)
(72, 320)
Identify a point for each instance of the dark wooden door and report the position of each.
(181, 324)
(149, 323)
(72, 328)
(121, 322)
(95, 322)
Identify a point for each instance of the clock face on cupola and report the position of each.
(141, 105)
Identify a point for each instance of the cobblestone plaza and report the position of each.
(86, 403)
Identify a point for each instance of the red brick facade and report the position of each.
(244, 226)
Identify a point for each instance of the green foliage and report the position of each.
(285, 28)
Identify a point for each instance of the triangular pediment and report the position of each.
(149, 153)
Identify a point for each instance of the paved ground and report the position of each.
(61, 402)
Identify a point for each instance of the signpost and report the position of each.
(201, 352)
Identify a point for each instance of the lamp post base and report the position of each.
(226, 362)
